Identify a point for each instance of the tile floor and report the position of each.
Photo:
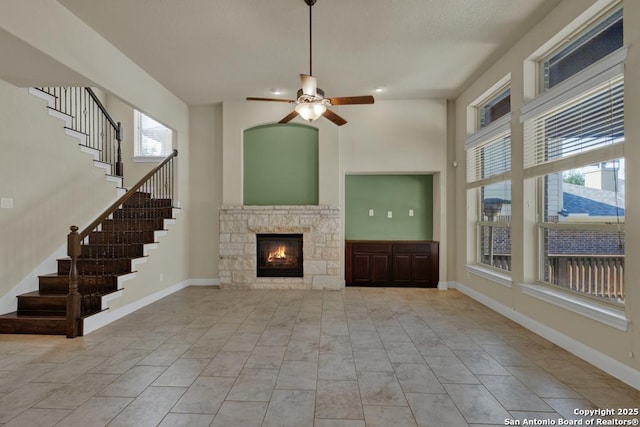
(359, 357)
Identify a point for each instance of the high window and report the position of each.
(151, 138)
(588, 47)
(489, 180)
(494, 108)
(574, 147)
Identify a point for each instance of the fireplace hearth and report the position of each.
(279, 255)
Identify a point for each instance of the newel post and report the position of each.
(74, 250)
(119, 165)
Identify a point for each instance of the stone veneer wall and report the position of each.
(319, 225)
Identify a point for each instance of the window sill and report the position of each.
(147, 159)
(610, 316)
(489, 274)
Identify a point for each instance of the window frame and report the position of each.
(577, 39)
(484, 136)
(138, 155)
(604, 71)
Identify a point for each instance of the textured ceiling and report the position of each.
(208, 51)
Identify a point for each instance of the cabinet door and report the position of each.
(380, 272)
(402, 274)
(421, 272)
(361, 268)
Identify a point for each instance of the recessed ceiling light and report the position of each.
(276, 91)
(378, 89)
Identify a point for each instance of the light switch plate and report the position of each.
(6, 203)
(410, 212)
(389, 214)
(370, 212)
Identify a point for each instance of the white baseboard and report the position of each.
(204, 282)
(608, 364)
(103, 318)
(443, 286)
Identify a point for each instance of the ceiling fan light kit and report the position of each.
(311, 103)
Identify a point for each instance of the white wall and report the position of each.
(614, 349)
(53, 186)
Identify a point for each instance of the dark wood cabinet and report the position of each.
(392, 263)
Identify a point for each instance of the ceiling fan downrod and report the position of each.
(310, 3)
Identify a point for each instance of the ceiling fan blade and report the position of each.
(292, 115)
(309, 84)
(351, 100)
(334, 117)
(270, 99)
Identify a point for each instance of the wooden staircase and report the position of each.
(109, 253)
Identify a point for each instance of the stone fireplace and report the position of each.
(318, 228)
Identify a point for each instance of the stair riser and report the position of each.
(133, 224)
(86, 285)
(112, 251)
(141, 195)
(143, 213)
(49, 304)
(148, 203)
(33, 326)
(119, 266)
(122, 237)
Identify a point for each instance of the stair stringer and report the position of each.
(106, 316)
(81, 137)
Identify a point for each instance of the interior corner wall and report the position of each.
(611, 343)
(206, 190)
(86, 53)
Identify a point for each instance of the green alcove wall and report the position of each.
(384, 193)
(280, 165)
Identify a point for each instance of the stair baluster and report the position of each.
(89, 116)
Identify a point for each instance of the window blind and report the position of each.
(577, 122)
(489, 154)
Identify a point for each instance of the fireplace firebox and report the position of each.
(279, 255)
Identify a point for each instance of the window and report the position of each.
(585, 49)
(489, 177)
(494, 108)
(152, 139)
(574, 147)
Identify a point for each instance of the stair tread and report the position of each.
(16, 315)
(103, 259)
(41, 295)
(83, 133)
(66, 275)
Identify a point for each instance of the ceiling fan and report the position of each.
(311, 102)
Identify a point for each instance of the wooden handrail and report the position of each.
(129, 194)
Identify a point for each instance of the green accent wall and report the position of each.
(384, 193)
(280, 165)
